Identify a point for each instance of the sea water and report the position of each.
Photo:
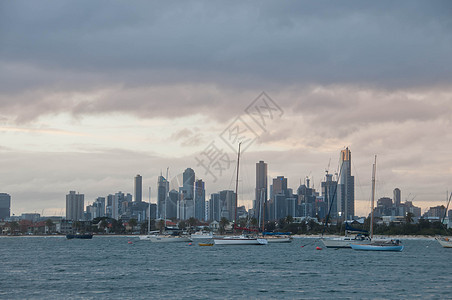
(121, 267)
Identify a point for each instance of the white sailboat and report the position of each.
(161, 238)
(444, 241)
(242, 239)
(380, 245)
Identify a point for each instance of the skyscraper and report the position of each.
(397, 196)
(346, 187)
(200, 200)
(138, 188)
(279, 185)
(329, 193)
(189, 183)
(162, 193)
(5, 206)
(186, 204)
(74, 206)
(261, 195)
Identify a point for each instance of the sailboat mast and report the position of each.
(374, 170)
(149, 210)
(237, 186)
(167, 192)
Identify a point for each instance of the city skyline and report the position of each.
(149, 86)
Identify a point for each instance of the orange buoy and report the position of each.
(189, 244)
(318, 248)
(130, 242)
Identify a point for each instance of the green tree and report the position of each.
(182, 225)
(289, 219)
(13, 226)
(49, 225)
(192, 222)
(161, 226)
(223, 223)
(409, 217)
(133, 222)
(254, 222)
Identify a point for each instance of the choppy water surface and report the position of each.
(110, 267)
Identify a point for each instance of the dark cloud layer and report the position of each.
(384, 43)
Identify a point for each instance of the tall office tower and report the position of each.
(279, 186)
(162, 193)
(189, 183)
(171, 205)
(214, 207)
(397, 197)
(5, 206)
(346, 187)
(138, 188)
(200, 200)
(261, 195)
(74, 206)
(186, 205)
(227, 204)
(117, 204)
(100, 205)
(329, 193)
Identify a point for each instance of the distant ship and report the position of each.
(85, 236)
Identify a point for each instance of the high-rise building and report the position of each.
(346, 187)
(99, 204)
(188, 184)
(138, 188)
(279, 186)
(162, 193)
(171, 205)
(329, 193)
(74, 206)
(214, 207)
(397, 197)
(261, 196)
(200, 200)
(5, 206)
(227, 204)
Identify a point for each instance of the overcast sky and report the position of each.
(94, 92)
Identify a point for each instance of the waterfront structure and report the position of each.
(5, 206)
(74, 206)
(200, 200)
(346, 187)
(261, 196)
(138, 188)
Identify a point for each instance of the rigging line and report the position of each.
(445, 213)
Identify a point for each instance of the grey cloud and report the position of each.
(403, 43)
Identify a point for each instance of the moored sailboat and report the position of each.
(161, 238)
(380, 245)
(243, 239)
(444, 241)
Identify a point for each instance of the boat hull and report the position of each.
(240, 241)
(341, 242)
(79, 236)
(370, 247)
(279, 240)
(164, 239)
(445, 242)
